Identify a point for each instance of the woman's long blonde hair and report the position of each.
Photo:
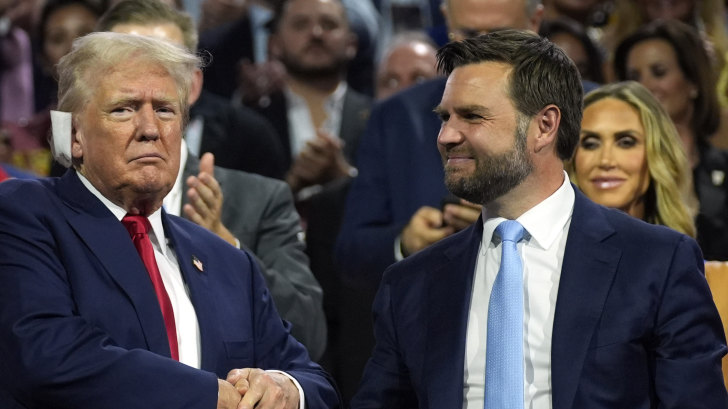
(670, 199)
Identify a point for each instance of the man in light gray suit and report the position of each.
(257, 213)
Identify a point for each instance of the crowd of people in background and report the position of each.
(311, 139)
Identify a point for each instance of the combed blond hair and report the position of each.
(98, 53)
(670, 199)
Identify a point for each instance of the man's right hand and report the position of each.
(424, 228)
(227, 395)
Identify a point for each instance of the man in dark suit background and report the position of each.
(81, 323)
(610, 312)
(248, 211)
(317, 115)
(319, 118)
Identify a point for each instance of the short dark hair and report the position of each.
(145, 12)
(279, 8)
(51, 6)
(542, 75)
(594, 56)
(694, 62)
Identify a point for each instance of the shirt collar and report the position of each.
(543, 222)
(334, 99)
(155, 219)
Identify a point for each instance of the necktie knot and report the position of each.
(136, 224)
(510, 230)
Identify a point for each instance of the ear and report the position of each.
(536, 18)
(77, 140)
(351, 46)
(196, 87)
(445, 13)
(547, 124)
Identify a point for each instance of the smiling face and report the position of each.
(654, 64)
(610, 163)
(482, 140)
(128, 135)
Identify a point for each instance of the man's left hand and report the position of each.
(264, 390)
(461, 215)
(205, 200)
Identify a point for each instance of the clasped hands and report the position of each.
(250, 388)
(321, 160)
(429, 225)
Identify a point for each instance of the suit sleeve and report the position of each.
(689, 340)
(386, 381)
(51, 355)
(297, 294)
(276, 349)
(365, 246)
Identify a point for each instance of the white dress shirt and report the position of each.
(185, 318)
(542, 252)
(300, 124)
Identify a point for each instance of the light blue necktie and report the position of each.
(504, 350)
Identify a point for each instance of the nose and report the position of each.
(606, 159)
(147, 124)
(317, 30)
(449, 134)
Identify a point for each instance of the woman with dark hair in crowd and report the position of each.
(573, 39)
(669, 58)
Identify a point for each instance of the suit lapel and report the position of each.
(354, 115)
(97, 227)
(192, 263)
(192, 168)
(213, 129)
(587, 273)
(449, 293)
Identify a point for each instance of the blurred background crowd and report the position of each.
(313, 93)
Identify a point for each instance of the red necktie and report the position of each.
(138, 227)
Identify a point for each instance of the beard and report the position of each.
(494, 175)
(332, 66)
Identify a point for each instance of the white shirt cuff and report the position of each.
(398, 256)
(301, 400)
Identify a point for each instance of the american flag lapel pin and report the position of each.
(197, 263)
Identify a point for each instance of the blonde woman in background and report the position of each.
(630, 157)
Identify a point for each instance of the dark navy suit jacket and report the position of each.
(400, 170)
(80, 326)
(635, 325)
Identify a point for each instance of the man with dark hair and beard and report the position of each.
(548, 300)
(318, 117)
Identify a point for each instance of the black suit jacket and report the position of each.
(227, 45)
(240, 138)
(355, 113)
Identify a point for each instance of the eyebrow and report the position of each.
(626, 132)
(464, 109)
(131, 99)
